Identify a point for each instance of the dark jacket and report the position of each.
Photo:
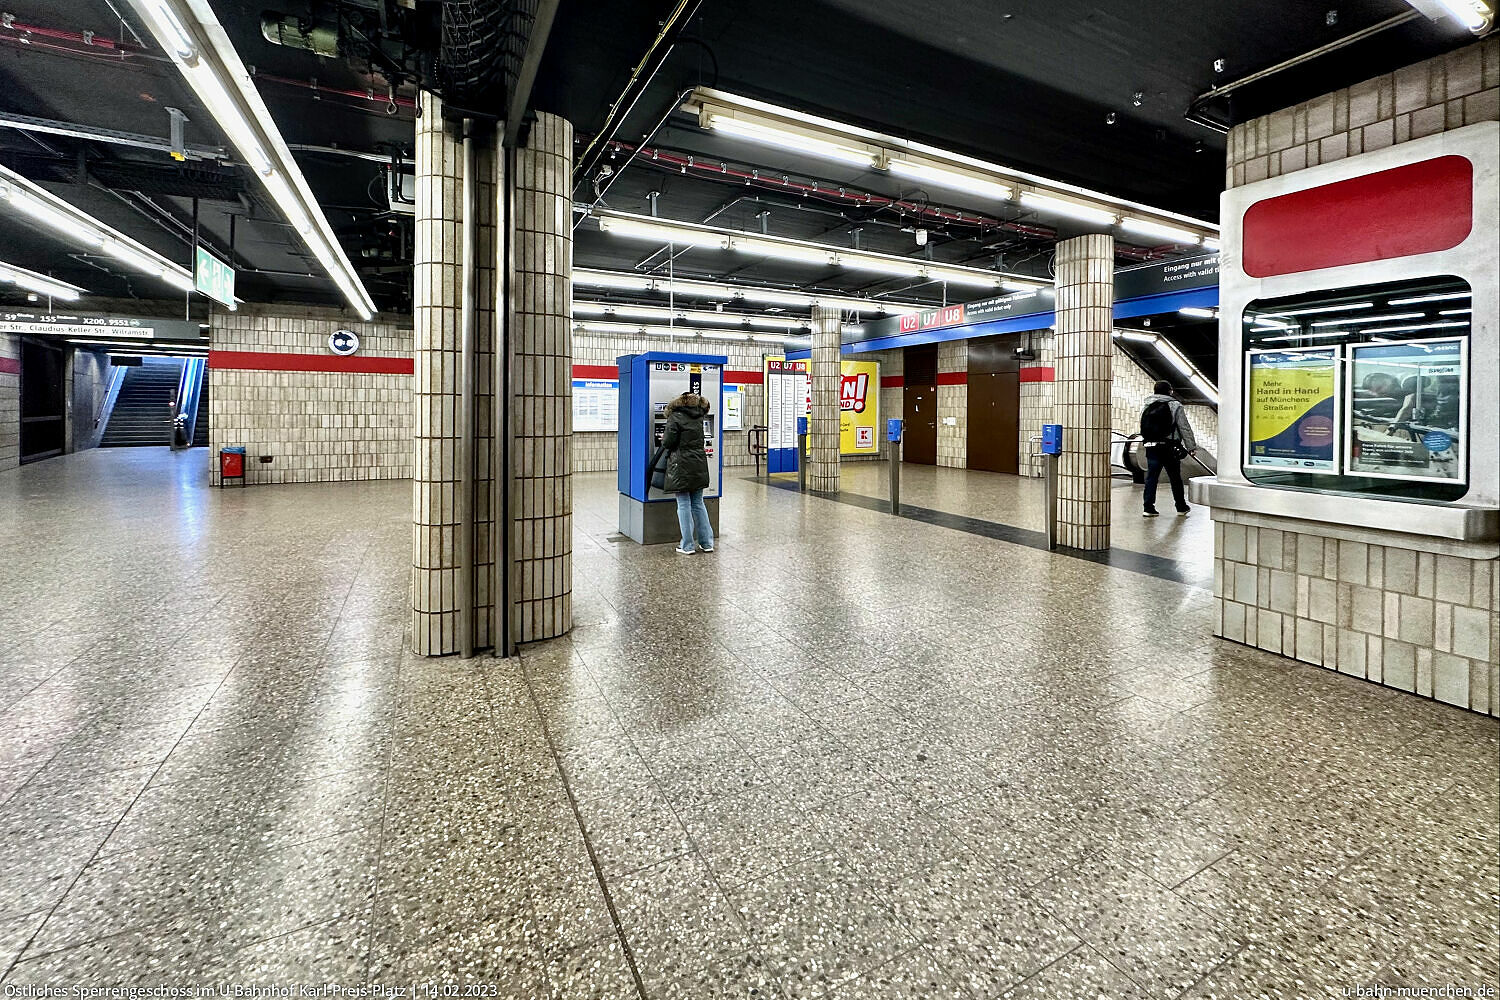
(1179, 420)
(687, 462)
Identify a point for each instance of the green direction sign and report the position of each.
(213, 277)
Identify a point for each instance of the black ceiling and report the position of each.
(1027, 85)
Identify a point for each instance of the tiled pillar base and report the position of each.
(1085, 349)
(1412, 620)
(823, 422)
(541, 407)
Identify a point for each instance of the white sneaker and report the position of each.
(682, 551)
(705, 548)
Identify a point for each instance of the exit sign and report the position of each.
(213, 277)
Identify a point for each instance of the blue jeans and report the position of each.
(690, 511)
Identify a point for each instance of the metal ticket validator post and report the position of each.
(893, 435)
(1052, 440)
(802, 454)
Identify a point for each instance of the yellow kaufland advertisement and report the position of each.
(859, 405)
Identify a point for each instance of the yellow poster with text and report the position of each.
(859, 407)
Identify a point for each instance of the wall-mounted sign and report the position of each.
(734, 396)
(213, 277)
(596, 404)
(1289, 409)
(112, 327)
(343, 342)
(1407, 410)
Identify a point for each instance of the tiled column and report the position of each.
(1084, 347)
(823, 422)
(436, 384)
(541, 404)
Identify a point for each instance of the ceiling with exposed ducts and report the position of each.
(1087, 94)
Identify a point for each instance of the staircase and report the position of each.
(142, 413)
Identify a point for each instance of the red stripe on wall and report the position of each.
(269, 361)
(10, 366)
(892, 381)
(1038, 375)
(596, 371)
(953, 378)
(1421, 207)
(743, 378)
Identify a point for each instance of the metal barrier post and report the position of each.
(1051, 448)
(802, 454)
(893, 435)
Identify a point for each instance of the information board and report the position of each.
(1407, 411)
(1290, 409)
(734, 397)
(596, 405)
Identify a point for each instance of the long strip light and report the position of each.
(39, 283)
(78, 227)
(943, 177)
(1471, 14)
(1440, 297)
(1455, 312)
(1413, 327)
(1145, 227)
(783, 138)
(1176, 359)
(610, 310)
(1313, 310)
(787, 128)
(198, 44)
(1367, 319)
(782, 248)
(1197, 313)
(695, 288)
(1325, 335)
(683, 332)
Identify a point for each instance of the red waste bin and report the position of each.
(232, 465)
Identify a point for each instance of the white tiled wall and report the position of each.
(317, 426)
(953, 405)
(10, 403)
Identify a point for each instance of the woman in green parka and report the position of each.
(687, 470)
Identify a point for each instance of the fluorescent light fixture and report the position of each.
(1416, 326)
(766, 339)
(785, 138)
(611, 279)
(973, 278)
(943, 177)
(190, 32)
(1368, 319)
(1072, 209)
(1455, 312)
(591, 308)
(611, 311)
(67, 222)
(724, 336)
(1313, 310)
(696, 288)
(1196, 312)
(774, 250)
(1469, 13)
(657, 232)
(1139, 338)
(1209, 243)
(1203, 386)
(1145, 227)
(1440, 297)
(39, 283)
(1175, 359)
(1326, 334)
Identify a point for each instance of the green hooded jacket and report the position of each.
(687, 462)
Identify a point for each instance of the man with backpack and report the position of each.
(1169, 439)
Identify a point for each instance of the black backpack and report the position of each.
(1157, 424)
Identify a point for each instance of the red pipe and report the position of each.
(839, 193)
(93, 40)
(362, 95)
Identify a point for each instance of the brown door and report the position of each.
(920, 405)
(994, 405)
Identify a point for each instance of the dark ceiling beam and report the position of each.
(536, 45)
(92, 133)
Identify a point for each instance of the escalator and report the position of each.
(142, 413)
(200, 426)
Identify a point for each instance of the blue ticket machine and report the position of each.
(648, 382)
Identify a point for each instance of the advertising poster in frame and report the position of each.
(1291, 400)
(1407, 410)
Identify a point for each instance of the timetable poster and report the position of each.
(1290, 409)
(596, 405)
(1407, 409)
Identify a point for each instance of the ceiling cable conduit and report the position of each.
(93, 133)
(1195, 111)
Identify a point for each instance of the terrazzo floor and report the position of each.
(846, 755)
